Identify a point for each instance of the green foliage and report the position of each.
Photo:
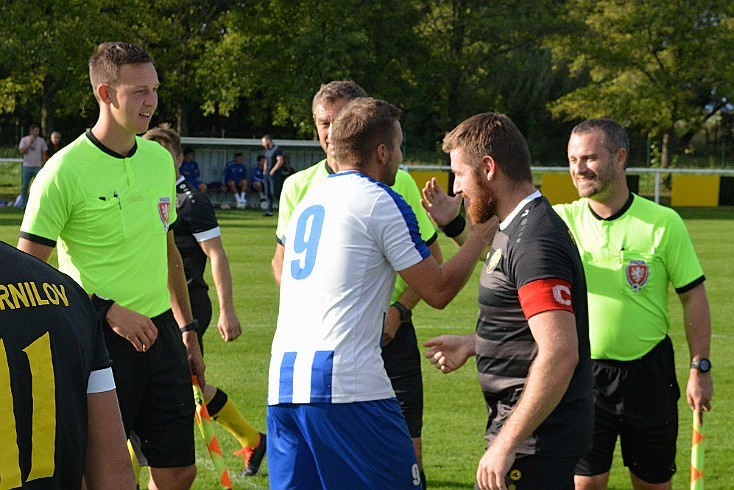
(654, 66)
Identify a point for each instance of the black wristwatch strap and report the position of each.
(193, 326)
(102, 305)
(406, 316)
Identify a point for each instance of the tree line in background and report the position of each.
(241, 68)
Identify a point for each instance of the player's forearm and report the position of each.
(456, 272)
(549, 376)
(222, 276)
(410, 297)
(546, 384)
(697, 321)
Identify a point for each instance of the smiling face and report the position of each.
(595, 170)
(323, 115)
(473, 185)
(134, 97)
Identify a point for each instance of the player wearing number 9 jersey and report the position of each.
(330, 400)
(60, 418)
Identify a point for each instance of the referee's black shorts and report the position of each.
(155, 394)
(636, 401)
(402, 360)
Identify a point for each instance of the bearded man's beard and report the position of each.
(484, 206)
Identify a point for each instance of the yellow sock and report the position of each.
(223, 410)
(136, 465)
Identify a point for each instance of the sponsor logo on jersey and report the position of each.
(638, 272)
(494, 260)
(164, 211)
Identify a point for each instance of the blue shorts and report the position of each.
(363, 445)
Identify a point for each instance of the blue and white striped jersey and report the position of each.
(345, 241)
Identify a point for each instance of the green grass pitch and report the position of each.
(455, 416)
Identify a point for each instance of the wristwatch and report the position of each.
(191, 327)
(703, 365)
(405, 314)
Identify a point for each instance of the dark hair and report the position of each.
(168, 138)
(261, 157)
(361, 126)
(615, 136)
(495, 135)
(105, 63)
(33, 126)
(188, 150)
(336, 90)
(238, 154)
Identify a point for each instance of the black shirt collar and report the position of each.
(110, 152)
(618, 214)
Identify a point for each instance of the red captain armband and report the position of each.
(545, 295)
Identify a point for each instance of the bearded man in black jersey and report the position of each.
(532, 339)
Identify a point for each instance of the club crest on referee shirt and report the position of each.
(164, 211)
(638, 273)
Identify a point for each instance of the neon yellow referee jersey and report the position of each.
(108, 216)
(629, 261)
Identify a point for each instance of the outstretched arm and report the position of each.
(409, 299)
(438, 285)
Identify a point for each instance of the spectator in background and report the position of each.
(234, 180)
(273, 162)
(257, 177)
(54, 144)
(190, 170)
(34, 151)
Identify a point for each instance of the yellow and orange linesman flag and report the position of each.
(207, 432)
(698, 447)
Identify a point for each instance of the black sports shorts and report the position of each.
(155, 394)
(636, 401)
(403, 365)
(533, 472)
